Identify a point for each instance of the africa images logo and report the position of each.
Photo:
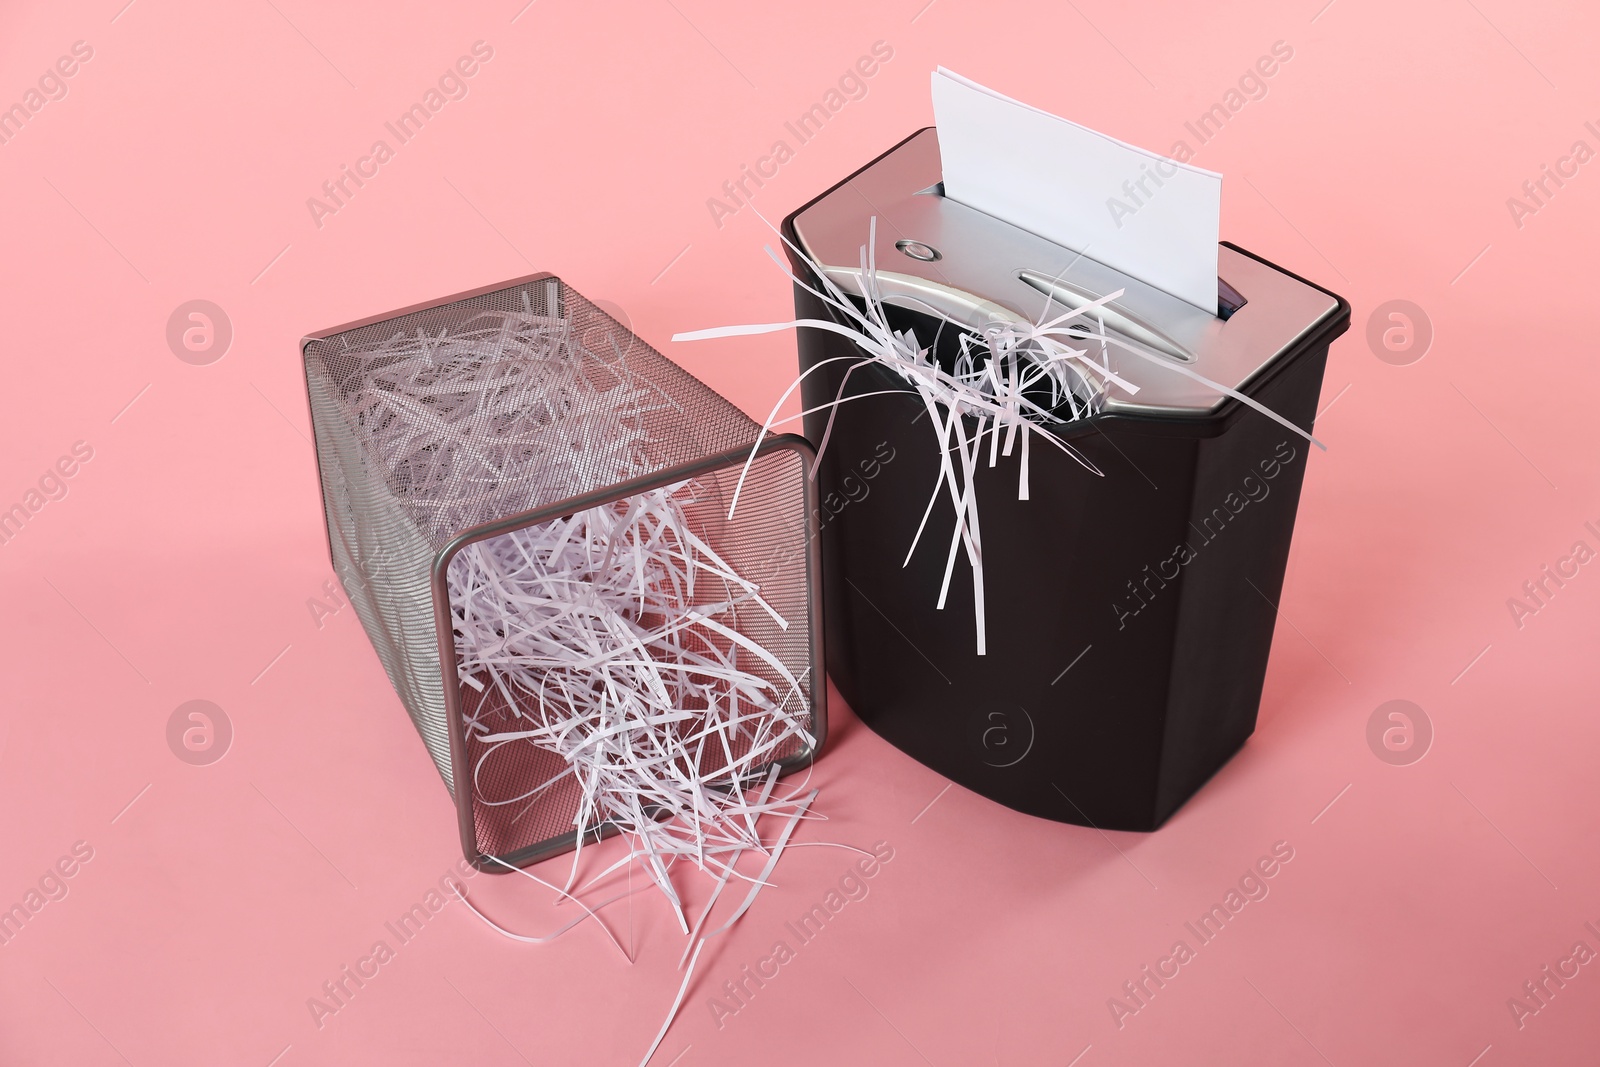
(1251, 887)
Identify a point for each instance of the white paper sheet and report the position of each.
(1148, 216)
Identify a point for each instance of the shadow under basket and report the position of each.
(489, 426)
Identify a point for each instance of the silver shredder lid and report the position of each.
(974, 268)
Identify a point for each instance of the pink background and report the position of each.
(180, 563)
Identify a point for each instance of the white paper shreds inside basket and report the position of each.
(502, 413)
(615, 638)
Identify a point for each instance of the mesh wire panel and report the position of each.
(434, 423)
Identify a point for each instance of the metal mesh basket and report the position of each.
(470, 425)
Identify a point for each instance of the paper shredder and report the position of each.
(1130, 614)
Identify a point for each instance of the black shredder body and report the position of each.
(1129, 614)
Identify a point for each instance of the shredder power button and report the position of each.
(918, 250)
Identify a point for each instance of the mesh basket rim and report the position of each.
(433, 304)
